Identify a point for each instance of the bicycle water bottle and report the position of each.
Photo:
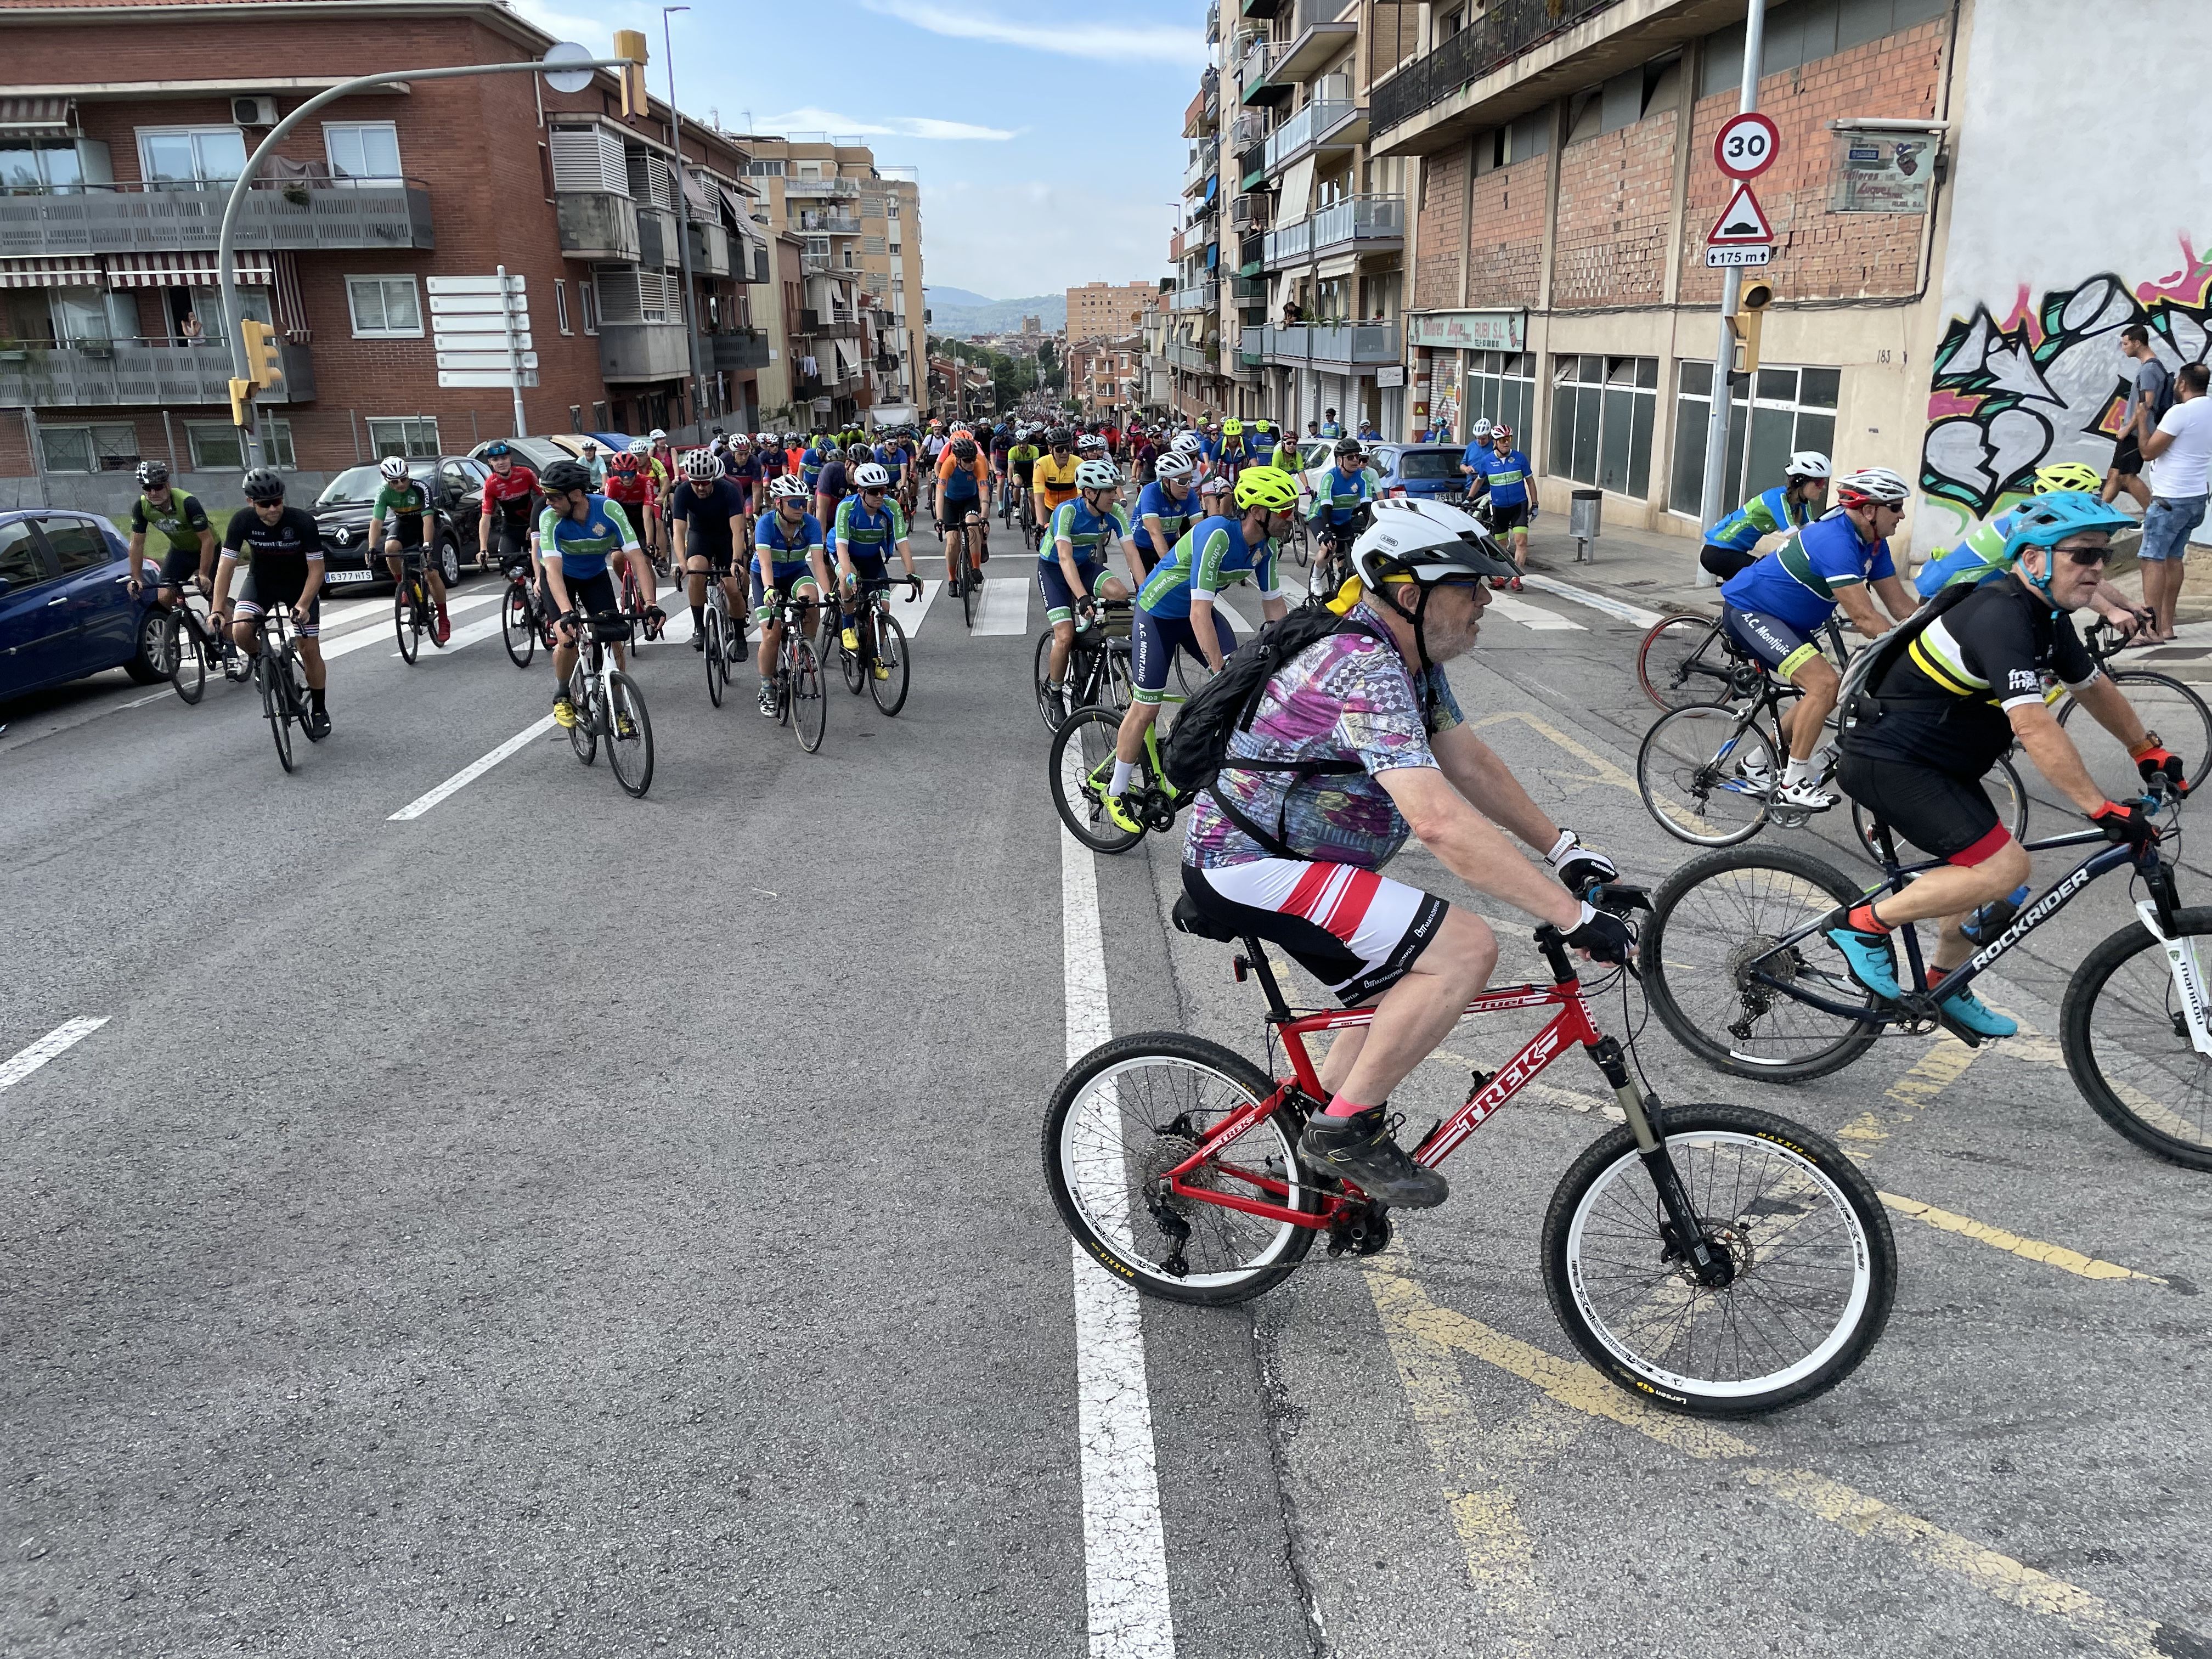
(1986, 923)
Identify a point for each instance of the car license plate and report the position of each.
(336, 577)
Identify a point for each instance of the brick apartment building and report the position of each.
(1105, 310)
(1107, 375)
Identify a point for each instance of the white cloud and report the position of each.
(1103, 41)
(1029, 236)
(811, 120)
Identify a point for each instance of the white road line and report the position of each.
(1533, 616)
(1124, 1555)
(469, 774)
(910, 612)
(1005, 607)
(1236, 618)
(379, 627)
(1605, 602)
(67, 1034)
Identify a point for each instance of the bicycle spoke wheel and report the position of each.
(889, 689)
(848, 662)
(629, 736)
(273, 705)
(2124, 1027)
(407, 620)
(718, 667)
(1813, 1266)
(1047, 708)
(1704, 773)
(517, 629)
(181, 658)
(1131, 1110)
(2168, 708)
(2006, 793)
(810, 704)
(1683, 661)
(1720, 978)
(970, 595)
(1082, 765)
(584, 735)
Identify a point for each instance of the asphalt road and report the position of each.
(562, 1224)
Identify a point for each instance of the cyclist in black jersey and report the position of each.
(282, 548)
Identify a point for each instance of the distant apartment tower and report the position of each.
(859, 225)
(1032, 325)
(1102, 310)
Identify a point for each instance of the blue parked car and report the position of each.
(65, 604)
(1427, 470)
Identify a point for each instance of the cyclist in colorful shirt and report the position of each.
(578, 534)
(401, 524)
(1071, 565)
(1504, 472)
(1799, 498)
(188, 538)
(1165, 507)
(869, 525)
(787, 561)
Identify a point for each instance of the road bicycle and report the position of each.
(801, 700)
(525, 622)
(414, 613)
(608, 705)
(187, 650)
(723, 637)
(1739, 968)
(886, 645)
(1097, 673)
(645, 621)
(1331, 553)
(282, 680)
(1709, 1258)
(967, 584)
(1081, 770)
(1691, 658)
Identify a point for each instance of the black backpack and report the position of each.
(1197, 751)
(1855, 696)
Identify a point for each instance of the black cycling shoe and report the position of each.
(1358, 1149)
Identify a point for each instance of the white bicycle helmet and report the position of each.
(1173, 464)
(1480, 430)
(869, 475)
(1091, 444)
(1806, 463)
(764, 437)
(1188, 443)
(640, 446)
(788, 489)
(1873, 486)
(1096, 475)
(701, 465)
(1427, 540)
(393, 467)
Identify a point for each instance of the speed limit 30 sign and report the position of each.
(1745, 145)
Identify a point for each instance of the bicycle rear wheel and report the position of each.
(890, 691)
(517, 627)
(407, 618)
(809, 702)
(1081, 766)
(1813, 1265)
(274, 705)
(971, 583)
(181, 656)
(629, 753)
(1132, 1109)
(2123, 1028)
(718, 665)
(1683, 661)
(1719, 977)
(1704, 773)
(2168, 707)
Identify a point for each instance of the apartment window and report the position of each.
(1602, 416)
(213, 446)
(90, 449)
(384, 308)
(891, 210)
(40, 166)
(1787, 409)
(561, 305)
(1529, 136)
(362, 150)
(587, 306)
(895, 250)
(1501, 386)
(764, 170)
(415, 436)
(190, 156)
(88, 316)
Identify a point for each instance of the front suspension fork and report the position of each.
(1684, 1233)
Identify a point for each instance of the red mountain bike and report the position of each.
(1711, 1258)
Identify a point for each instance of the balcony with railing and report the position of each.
(1324, 123)
(1439, 98)
(1289, 243)
(710, 247)
(643, 351)
(1367, 224)
(829, 324)
(814, 265)
(298, 214)
(1316, 38)
(1359, 344)
(828, 224)
(656, 237)
(120, 373)
(1256, 87)
(597, 225)
(1251, 212)
(730, 353)
(1200, 296)
(1213, 21)
(821, 187)
(1200, 168)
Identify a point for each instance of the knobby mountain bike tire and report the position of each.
(2123, 1028)
(889, 692)
(1705, 772)
(1079, 768)
(631, 756)
(518, 627)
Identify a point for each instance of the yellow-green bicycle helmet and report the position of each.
(1267, 486)
(2067, 475)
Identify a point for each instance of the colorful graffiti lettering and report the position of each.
(2046, 384)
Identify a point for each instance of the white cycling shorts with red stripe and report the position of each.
(1356, 932)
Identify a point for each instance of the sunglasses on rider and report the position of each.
(2088, 555)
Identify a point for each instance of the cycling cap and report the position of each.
(1872, 486)
(641, 445)
(563, 476)
(1424, 541)
(701, 465)
(497, 447)
(263, 485)
(872, 476)
(1230, 428)
(1096, 475)
(788, 489)
(1806, 463)
(153, 474)
(2067, 475)
(2048, 519)
(1267, 486)
(1173, 464)
(393, 467)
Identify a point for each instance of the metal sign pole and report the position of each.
(513, 351)
(1712, 507)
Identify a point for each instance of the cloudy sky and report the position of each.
(1050, 152)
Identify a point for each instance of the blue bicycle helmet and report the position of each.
(2046, 521)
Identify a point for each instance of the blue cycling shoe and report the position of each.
(1976, 1016)
(1868, 958)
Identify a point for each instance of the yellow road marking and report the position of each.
(1406, 1311)
(2031, 1249)
(1601, 769)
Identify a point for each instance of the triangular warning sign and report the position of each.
(1743, 221)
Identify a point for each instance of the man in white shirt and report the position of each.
(2180, 456)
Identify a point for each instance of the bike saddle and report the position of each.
(1189, 918)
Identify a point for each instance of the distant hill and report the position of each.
(959, 311)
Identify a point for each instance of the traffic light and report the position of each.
(265, 364)
(1751, 311)
(241, 398)
(630, 44)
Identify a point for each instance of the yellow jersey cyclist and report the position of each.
(869, 525)
(578, 536)
(787, 561)
(1071, 565)
(188, 538)
(400, 524)
(282, 548)
(1941, 702)
(1987, 551)
(1732, 544)
(1176, 609)
(1052, 480)
(1776, 606)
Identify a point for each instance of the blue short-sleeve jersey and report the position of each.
(1174, 514)
(1507, 475)
(1797, 582)
(785, 545)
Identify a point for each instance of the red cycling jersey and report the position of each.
(626, 480)
(510, 492)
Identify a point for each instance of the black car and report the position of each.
(456, 488)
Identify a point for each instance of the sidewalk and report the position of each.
(1660, 573)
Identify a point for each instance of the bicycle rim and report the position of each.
(516, 627)
(631, 756)
(809, 703)
(849, 664)
(1703, 773)
(1682, 660)
(1813, 1264)
(2172, 709)
(889, 692)
(187, 663)
(2123, 1028)
(968, 595)
(1082, 765)
(406, 622)
(1040, 675)
(272, 705)
(718, 668)
(584, 735)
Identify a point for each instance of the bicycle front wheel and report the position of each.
(1132, 1109)
(2124, 1029)
(1681, 661)
(274, 705)
(583, 696)
(407, 619)
(181, 658)
(629, 737)
(718, 665)
(1040, 677)
(1721, 979)
(1813, 1268)
(1705, 772)
(2168, 708)
(517, 627)
(971, 596)
(889, 688)
(809, 707)
(1081, 767)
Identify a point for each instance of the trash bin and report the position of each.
(1585, 512)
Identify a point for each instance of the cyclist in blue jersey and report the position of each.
(1072, 564)
(1775, 608)
(1502, 473)
(787, 560)
(1176, 608)
(1233, 454)
(1343, 496)
(811, 463)
(1988, 551)
(1801, 497)
(1164, 507)
(868, 528)
(577, 534)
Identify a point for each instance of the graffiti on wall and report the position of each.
(2048, 383)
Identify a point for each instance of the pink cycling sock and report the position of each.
(1341, 1105)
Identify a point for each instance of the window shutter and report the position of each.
(620, 298)
(588, 158)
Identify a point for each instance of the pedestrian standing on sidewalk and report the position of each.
(2180, 456)
(2146, 405)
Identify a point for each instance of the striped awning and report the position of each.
(183, 270)
(49, 273)
(38, 118)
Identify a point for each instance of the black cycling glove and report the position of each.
(1579, 868)
(1604, 935)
